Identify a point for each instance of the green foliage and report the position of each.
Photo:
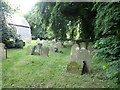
(108, 43)
(7, 32)
(108, 48)
(55, 17)
(107, 19)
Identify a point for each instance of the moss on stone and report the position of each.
(74, 67)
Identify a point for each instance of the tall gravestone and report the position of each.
(75, 65)
(2, 51)
(80, 59)
(44, 51)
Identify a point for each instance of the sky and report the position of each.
(24, 5)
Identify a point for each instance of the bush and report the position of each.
(108, 49)
(10, 44)
(19, 44)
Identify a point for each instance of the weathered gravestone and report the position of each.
(2, 51)
(75, 64)
(85, 57)
(38, 41)
(45, 43)
(44, 51)
(37, 50)
(51, 49)
(59, 45)
(90, 47)
(53, 42)
(30, 50)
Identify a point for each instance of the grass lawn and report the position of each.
(27, 71)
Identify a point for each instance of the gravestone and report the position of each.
(2, 51)
(30, 49)
(75, 65)
(59, 45)
(51, 49)
(37, 50)
(44, 51)
(38, 41)
(85, 57)
(53, 42)
(90, 46)
(45, 43)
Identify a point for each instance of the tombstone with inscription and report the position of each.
(2, 51)
(75, 65)
(45, 51)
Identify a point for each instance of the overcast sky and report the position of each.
(24, 5)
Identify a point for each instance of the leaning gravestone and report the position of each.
(85, 57)
(75, 65)
(30, 49)
(44, 51)
(2, 51)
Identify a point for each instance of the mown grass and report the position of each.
(27, 71)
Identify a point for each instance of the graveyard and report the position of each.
(28, 71)
(59, 44)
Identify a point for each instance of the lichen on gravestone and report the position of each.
(74, 67)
